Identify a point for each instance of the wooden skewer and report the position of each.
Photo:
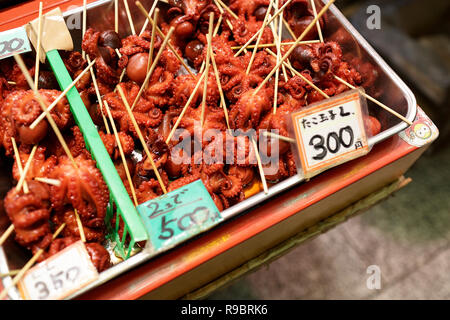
(219, 85)
(6, 234)
(124, 69)
(277, 74)
(288, 28)
(319, 30)
(271, 134)
(270, 45)
(116, 16)
(218, 25)
(25, 169)
(152, 40)
(223, 5)
(80, 226)
(28, 265)
(122, 155)
(385, 107)
(150, 14)
(285, 74)
(275, 15)
(38, 49)
(53, 182)
(222, 12)
(295, 72)
(161, 34)
(208, 57)
(83, 31)
(12, 83)
(153, 66)
(62, 95)
(141, 138)
(287, 54)
(191, 97)
(130, 19)
(261, 170)
(99, 97)
(258, 39)
(38, 97)
(202, 68)
(9, 274)
(19, 163)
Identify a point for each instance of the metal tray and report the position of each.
(389, 89)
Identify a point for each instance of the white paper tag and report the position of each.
(330, 133)
(13, 41)
(60, 275)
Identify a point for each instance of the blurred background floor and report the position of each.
(407, 235)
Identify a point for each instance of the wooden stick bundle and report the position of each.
(288, 53)
(275, 15)
(295, 72)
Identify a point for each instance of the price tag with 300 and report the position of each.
(330, 132)
(60, 275)
(179, 215)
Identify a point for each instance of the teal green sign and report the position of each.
(179, 215)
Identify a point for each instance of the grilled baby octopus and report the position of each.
(82, 187)
(29, 213)
(19, 111)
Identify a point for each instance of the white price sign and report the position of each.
(13, 41)
(330, 133)
(60, 275)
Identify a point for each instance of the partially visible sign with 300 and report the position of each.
(330, 132)
(13, 41)
(60, 275)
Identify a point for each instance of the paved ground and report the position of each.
(407, 236)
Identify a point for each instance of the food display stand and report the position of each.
(260, 232)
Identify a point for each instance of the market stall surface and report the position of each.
(407, 236)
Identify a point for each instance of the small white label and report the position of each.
(60, 275)
(330, 133)
(13, 41)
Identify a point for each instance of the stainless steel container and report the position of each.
(389, 89)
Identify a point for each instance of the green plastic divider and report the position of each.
(125, 208)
